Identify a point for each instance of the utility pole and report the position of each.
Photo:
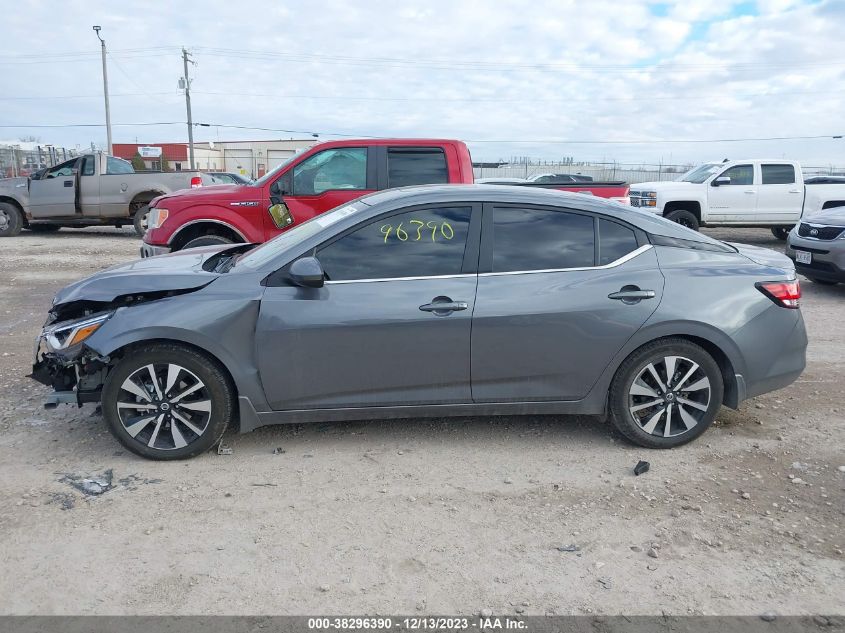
(105, 88)
(187, 81)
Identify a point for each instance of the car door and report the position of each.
(779, 196)
(55, 193)
(114, 185)
(390, 327)
(321, 182)
(559, 293)
(735, 202)
(89, 187)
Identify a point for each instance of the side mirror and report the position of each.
(307, 272)
(282, 217)
(721, 180)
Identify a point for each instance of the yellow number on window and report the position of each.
(385, 230)
(433, 226)
(447, 231)
(419, 224)
(401, 233)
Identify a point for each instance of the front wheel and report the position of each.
(207, 240)
(684, 218)
(141, 220)
(666, 394)
(780, 232)
(167, 402)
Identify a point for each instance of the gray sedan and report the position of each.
(817, 246)
(430, 301)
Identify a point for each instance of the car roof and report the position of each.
(439, 194)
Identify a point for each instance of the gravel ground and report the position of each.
(427, 516)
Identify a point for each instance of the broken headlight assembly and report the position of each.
(62, 336)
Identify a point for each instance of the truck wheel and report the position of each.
(11, 220)
(684, 218)
(43, 228)
(141, 220)
(780, 232)
(207, 240)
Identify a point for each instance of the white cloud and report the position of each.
(478, 70)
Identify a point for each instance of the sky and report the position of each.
(637, 81)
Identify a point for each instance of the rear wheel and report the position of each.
(666, 394)
(684, 218)
(780, 232)
(207, 240)
(167, 402)
(43, 228)
(11, 220)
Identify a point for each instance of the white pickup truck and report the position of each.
(742, 193)
(89, 190)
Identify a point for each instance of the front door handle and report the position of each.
(68, 183)
(631, 294)
(442, 306)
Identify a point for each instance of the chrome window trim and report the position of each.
(625, 258)
(370, 281)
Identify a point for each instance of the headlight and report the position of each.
(65, 335)
(157, 217)
(649, 199)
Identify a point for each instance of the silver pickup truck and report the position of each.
(90, 190)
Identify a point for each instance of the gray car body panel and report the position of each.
(341, 352)
(828, 255)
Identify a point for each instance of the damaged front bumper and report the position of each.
(64, 362)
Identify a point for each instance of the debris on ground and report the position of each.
(223, 449)
(279, 451)
(641, 467)
(93, 485)
(568, 548)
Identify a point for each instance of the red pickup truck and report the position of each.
(321, 178)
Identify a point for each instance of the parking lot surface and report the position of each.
(538, 515)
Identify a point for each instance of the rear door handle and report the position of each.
(794, 191)
(441, 306)
(632, 295)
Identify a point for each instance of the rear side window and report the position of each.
(740, 174)
(541, 239)
(418, 243)
(615, 241)
(115, 166)
(407, 166)
(778, 174)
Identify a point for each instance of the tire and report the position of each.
(823, 282)
(11, 220)
(43, 228)
(146, 424)
(207, 240)
(634, 387)
(684, 218)
(780, 232)
(140, 219)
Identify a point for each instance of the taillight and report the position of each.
(786, 294)
(196, 181)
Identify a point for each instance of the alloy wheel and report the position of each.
(164, 406)
(4, 220)
(669, 396)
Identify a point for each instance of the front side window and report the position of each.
(541, 239)
(407, 166)
(740, 174)
(778, 174)
(62, 170)
(341, 168)
(419, 243)
(615, 241)
(115, 166)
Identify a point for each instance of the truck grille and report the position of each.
(819, 232)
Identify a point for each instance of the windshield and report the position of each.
(700, 173)
(267, 251)
(271, 175)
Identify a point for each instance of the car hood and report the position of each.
(218, 192)
(829, 217)
(178, 272)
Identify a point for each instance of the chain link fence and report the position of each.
(613, 171)
(26, 158)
